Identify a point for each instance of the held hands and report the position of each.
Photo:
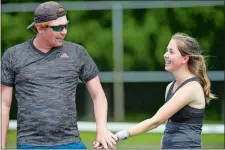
(121, 135)
(105, 140)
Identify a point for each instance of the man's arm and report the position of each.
(100, 109)
(6, 101)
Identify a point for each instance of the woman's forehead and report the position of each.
(172, 43)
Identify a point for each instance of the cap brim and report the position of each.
(31, 25)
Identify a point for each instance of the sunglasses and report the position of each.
(60, 27)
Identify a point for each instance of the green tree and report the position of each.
(146, 33)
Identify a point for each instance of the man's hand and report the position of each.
(97, 145)
(105, 140)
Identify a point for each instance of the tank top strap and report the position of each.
(189, 80)
(186, 81)
(170, 93)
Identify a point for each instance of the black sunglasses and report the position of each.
(60, 27)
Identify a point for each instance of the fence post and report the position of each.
(118, 87)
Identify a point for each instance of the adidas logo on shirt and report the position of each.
(64, 55)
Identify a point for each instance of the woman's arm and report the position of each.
(181, 98)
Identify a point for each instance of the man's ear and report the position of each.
(39, 28)
(186, 58)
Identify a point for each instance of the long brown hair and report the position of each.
(188, 46)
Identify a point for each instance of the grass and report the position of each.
(212, 141)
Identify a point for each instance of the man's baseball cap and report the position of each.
(46, 12)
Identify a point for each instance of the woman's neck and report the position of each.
(182, 75)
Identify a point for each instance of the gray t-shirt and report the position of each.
(45, 89)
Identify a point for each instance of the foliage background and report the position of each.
(146, 33)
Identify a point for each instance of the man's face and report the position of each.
(56, 32)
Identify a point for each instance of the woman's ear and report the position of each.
(186, 58)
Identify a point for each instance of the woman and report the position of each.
(185, 98)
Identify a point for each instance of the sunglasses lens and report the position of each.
(59, 28)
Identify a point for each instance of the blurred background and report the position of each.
(127, 41)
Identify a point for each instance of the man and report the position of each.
(44, 72)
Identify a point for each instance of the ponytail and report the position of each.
(188, 46)
(202, 76)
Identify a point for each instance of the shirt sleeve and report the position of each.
(89, 69)
(7, 72)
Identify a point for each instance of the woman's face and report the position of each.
(173, 58)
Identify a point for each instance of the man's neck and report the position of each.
(40, 45)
